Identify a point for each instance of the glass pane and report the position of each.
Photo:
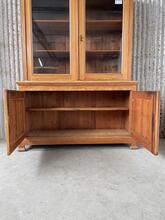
(103, 36)
(51, 36)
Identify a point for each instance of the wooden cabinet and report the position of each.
(82, 117)
(77, 87)
(78, 40)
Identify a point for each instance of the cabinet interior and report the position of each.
(51, 36)
(77, 110)
(104, 36)
(51, 53)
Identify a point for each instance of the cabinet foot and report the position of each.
(133, 146)
(22, 148)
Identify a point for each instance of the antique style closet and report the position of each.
(77, 86)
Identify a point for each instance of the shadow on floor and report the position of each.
(162, 147)
(54, 157)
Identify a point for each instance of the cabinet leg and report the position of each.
(133, 146)
(22, 148)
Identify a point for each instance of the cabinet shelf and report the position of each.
(67, 51)
(55, 21)
(110, 25)
(51, 26)
(91, 24)
(102, 52)
(79, 133)
(52, 51)
(79, 109)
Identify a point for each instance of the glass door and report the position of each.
(52, 39)
(103, 39)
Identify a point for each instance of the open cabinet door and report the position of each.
(145, 119)
(14, 109)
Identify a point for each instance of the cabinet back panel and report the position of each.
(77, 120)
(77, 99)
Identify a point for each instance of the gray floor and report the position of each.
(82, 183)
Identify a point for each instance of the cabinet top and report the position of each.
(76, 85)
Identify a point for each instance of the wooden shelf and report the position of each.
(67, 51)
(79, 109)
(51, 21)
(52, 51)
(46, 67)
(94, 53)
(79, 133)
(91, 24)
(115, 25)
(103, 51)
(51, 26)
(79, 136)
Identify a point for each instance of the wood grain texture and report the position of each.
(148, 42)
(78, 109)
(145, 119)
(87, 136)
(71, 68)
(77, 86)
(93, 70)
(54, 110)
(14, 119)
(93, 111)
(88, 117)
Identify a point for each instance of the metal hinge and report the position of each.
(153, 121)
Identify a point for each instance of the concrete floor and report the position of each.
(82, 183)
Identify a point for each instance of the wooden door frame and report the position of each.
(28, 50)
(127, 28)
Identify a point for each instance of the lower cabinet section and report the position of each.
(82, 117)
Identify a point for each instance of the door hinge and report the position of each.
(153, 121)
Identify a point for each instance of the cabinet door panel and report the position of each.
(51, 39)
(105, 38)
(14, 108)
(145, 119)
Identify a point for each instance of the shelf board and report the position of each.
(52, 21)
(79, 109)
(115, 25)
(79, 136)
(51, 26)
(49, 9)
(67, 51)
(79, 133)
(52, 51)
(92, 52)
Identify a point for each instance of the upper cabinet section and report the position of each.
(105, 35)
(78, 39)
(51, 38)
(51, 43)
